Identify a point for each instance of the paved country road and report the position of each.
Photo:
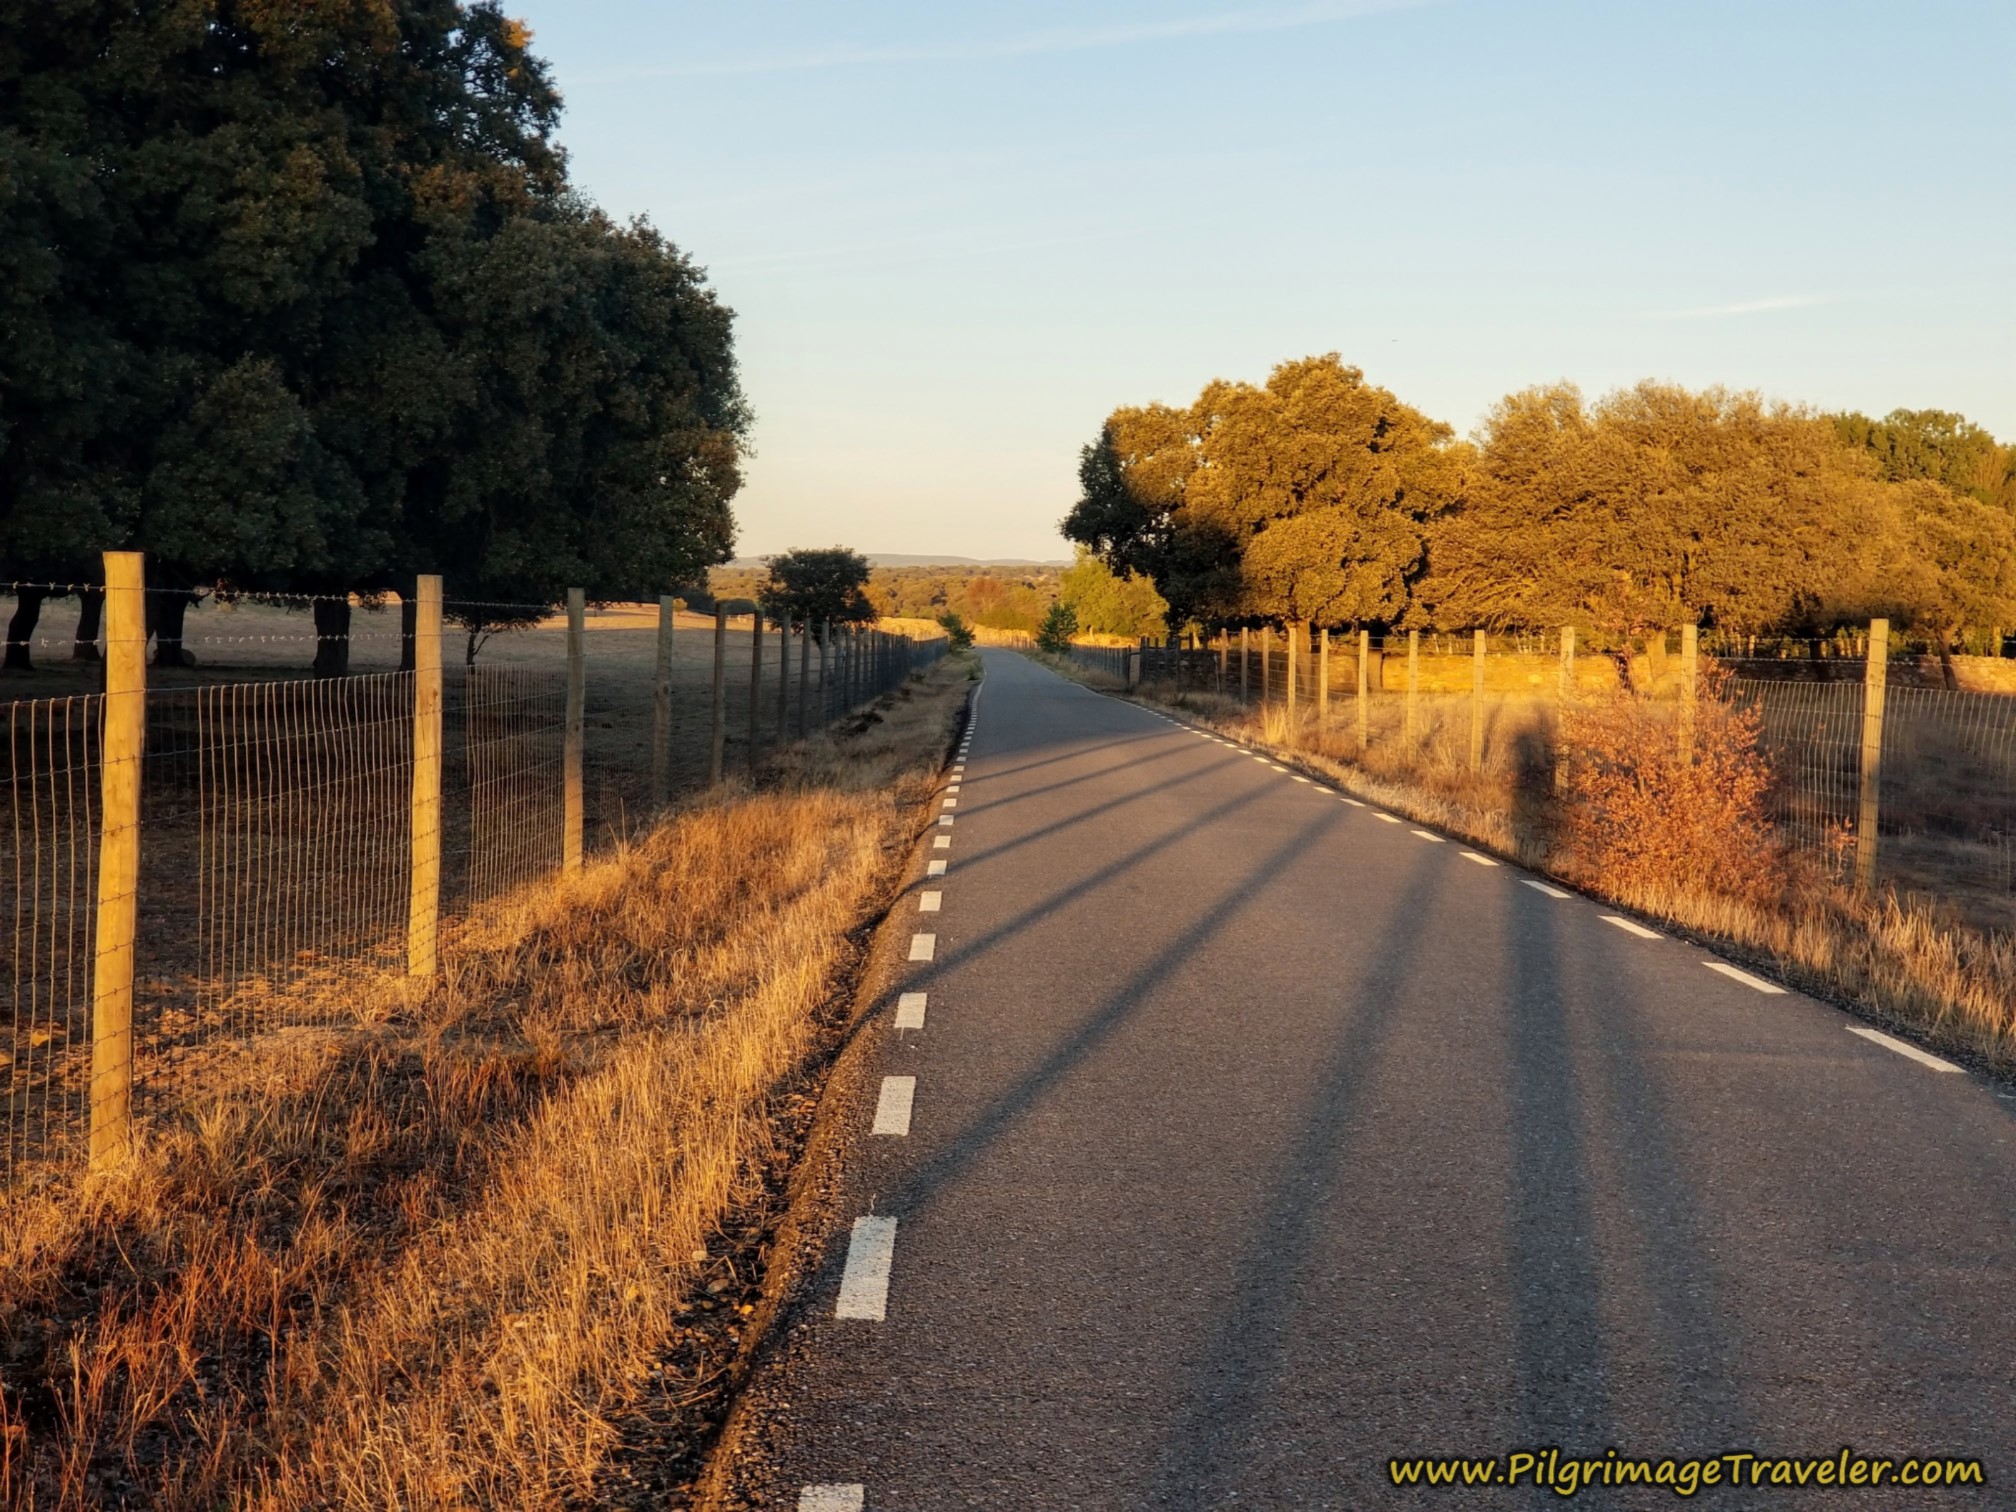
(1256, 1140)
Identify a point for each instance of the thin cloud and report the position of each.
(1742, 307)
(1066, 40)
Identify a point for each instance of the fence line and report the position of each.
(275, 843)
(1882, 772)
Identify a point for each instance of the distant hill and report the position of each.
(900, 559)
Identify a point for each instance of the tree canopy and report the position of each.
(817, 585)
(1325, 499)
(300, 301)
(1306, 499)
(1104, 602)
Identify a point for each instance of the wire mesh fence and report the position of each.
(276, 813)
(48, 892)
(1942, 756)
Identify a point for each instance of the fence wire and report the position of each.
(49, 895)
(504, 730)
(276, 811)
(1946, 827)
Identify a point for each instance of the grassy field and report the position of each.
(465, 1248)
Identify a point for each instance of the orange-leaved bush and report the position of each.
(1648, 819)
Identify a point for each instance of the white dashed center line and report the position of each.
(1629, 927)
(892, 1108)
(1755, 984)
(923, 947)
(945, 819)
(1480, 860)
(1545, 887)
(935, 869)
(943, 842)
(930, 902)
(1910, 1051)
(950, 803)
(832, 1499)
(1301, 779)
(1388, 819)
(910, 1010)
(1352, 801)
(864, 1284)
(1426, 835)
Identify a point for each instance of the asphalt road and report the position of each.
(1257, 1140)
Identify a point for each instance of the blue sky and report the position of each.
(957, 236)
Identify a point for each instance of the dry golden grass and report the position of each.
(1893, 959)
(431, 1258)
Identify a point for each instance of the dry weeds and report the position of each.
(431, 1258)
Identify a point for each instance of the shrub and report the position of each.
(1646, 820)
(1059, 625)
(956, 631)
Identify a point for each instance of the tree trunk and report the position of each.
(332, 637)
(1947, 676)
(90, 621)
(409, 622)
(165, 611)
(21, 629)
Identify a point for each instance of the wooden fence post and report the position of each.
(577, 702)
(1364, 689)
(825, 655)
(1266, 664)
(804, 678)
(122, 741)
(661, 705)
(1224, 650)
(1875, 675)
(1561, 717)
(423, 910)
(1690, 648)
(1413, 686)
(783, 677)
(1245, 665)
(717, 738)
(755, 684)
(1477, 703)
(1323, 682)
(1289, 634)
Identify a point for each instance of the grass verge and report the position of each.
(442, 1256)
(1895, 961)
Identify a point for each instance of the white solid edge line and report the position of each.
(923, 946)
(1902, 1047)
(1425, 835)
(935, 869)
(1546, 887)
(864, 1284)
(1755, 984)
(892, 1108)
(1389, 818)
(1480, 860)
(943, 842)
(1630, 926)
(832, 1498)
(910, 1010)
(930, 902)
